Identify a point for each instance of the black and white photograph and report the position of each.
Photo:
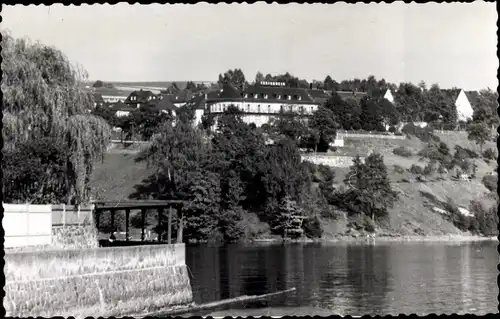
(237, 160)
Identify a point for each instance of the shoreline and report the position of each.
(385, 239)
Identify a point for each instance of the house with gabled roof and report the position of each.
(461, 102)
(138, 98)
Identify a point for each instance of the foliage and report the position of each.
(312, 227)
(490, 182)
(416, 169)
(323, 122)
(398, 169)
(478, 133)
(42, 98)
(485, 220)
(371, 191)
(234, 77)
(402, 151)
(424, 134)
(490, 154)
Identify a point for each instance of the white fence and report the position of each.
(27, 225)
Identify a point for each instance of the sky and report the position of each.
(453, 44)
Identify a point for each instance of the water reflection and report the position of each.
(353, 279)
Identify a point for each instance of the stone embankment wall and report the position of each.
(367, 135)
(112, 281)
(330, 160)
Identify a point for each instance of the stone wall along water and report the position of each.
(112, 281)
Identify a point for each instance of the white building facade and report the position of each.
(261, 103)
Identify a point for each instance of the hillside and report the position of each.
(413, 214)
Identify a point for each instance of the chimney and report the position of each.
(310, 86)
(205, 96)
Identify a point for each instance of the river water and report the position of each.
(349, 279)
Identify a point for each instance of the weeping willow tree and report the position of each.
(43, 100)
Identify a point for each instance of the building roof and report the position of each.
(278, 94)
(320, 96)
(344, 95)
(473, 97)
(142, 96)
(229, 92)
(451, 93)
(165, 105)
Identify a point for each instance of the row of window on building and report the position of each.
(275, 96)
(301, 109)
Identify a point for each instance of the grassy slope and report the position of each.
(412, 211)
(119, 173)
(115, 178)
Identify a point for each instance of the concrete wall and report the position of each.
(371, 136)
(329, 160)
(110, 281)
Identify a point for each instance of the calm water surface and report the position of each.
(355, 279)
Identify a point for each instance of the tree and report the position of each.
(190, 86)
(479, 133)
(323, 121)
(371, 115)
(43, 99)
(235, 78)
(371, 190)
(259, 77)
(98, 84)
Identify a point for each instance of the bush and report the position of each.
(356, 126)
(392, 129)
(402, 151)
(490, 154)
(398, 169)
(430, 168)
(485, 221)
(490, 182)
(417, 170)
(312, 228)
(253, 227)
(424, 134)
(464, 153)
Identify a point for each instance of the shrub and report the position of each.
(489, 154)
(402, 151)
(424, 134)
(392, 129)
(464, 153)
(312, 227)
(430, 168)
(398, 169)
(490, 182)
(417, 170)
(356, 126)
(485, 221)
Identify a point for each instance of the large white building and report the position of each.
(263, 101)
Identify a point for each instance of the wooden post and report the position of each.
(181, 226)
(112, 220)
(169, 239)
(127, 234)
(97, 218)
(143, 219)
(159, 230)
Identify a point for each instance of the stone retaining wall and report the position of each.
(112, 281)
(330, 160)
